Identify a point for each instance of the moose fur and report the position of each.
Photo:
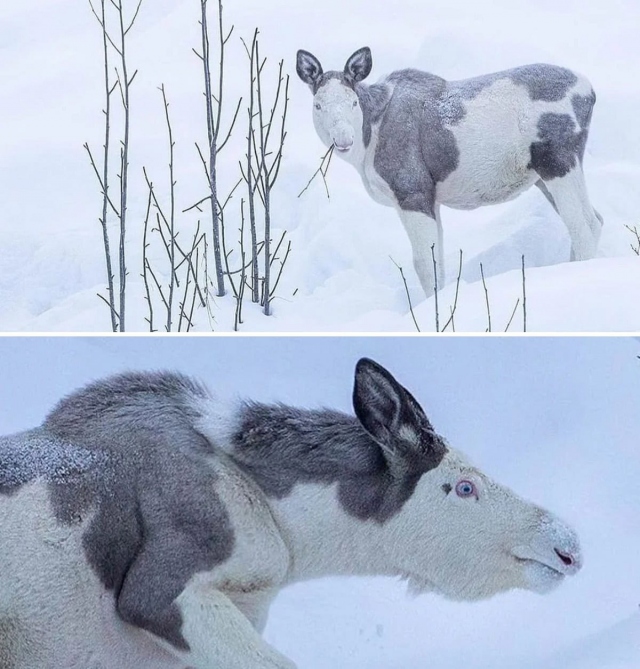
(148, 523)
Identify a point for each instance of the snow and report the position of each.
(339, 276)
(554, 418)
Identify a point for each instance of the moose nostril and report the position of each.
(565, 557)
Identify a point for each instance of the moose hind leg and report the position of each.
(569, 195)
(425, 232)
(596, 226)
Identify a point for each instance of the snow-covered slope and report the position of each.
(617, 647)
(554, 418)
(339, 275)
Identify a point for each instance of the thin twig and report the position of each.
(104, 179)
(124, 83)
(486, 295)
(524, 299)
(322, 170)
(406, 290)
(283, 262)
(212, 127)
(435, 286)
(634, 231)
(513, 313)
(145, 277)
(172, 214)
(455, 300)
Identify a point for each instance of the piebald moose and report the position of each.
(146, 523)
(419, 142)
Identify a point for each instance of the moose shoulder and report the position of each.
(148, 523)
(419, 142)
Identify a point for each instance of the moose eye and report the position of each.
(466, 489)
(318, 106)
(355, 103)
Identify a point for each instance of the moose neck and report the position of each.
(373, 102)
(328, 485)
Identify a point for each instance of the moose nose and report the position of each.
(344, 146)
(568, 560)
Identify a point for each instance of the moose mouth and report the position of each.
(538, 564)
(343, 149)
(565, 564)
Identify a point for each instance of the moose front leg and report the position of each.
(219, 636)
(425, 231)
(195, 622)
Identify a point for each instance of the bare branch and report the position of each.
(406, 290)
(322, 170)
(435, 288)
(524, 298)
(135, 16)
(513, 313)
(455, 300)
(486, 295)
(634, 231)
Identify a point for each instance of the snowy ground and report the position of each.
(556, 419)
(51, 263)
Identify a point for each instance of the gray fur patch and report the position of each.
(36, 455)
(373, 102)
(561, 145)
(583, 109)
(544, 83)
(326, 77)
(14, 643)
(547, 83)
(281, 446)
(415, 150)
(138, 463)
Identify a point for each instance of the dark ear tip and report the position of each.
(363, 362)
(365, 365)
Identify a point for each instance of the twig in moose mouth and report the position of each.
(322, 170)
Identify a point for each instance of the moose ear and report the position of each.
(391, 415)
(359, 65)
(308, 67)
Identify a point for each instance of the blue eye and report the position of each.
(466, 488)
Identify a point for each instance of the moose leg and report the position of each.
(595, 225)
(569, 196)
(220, 636)
(196, 622)
(425, 232)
